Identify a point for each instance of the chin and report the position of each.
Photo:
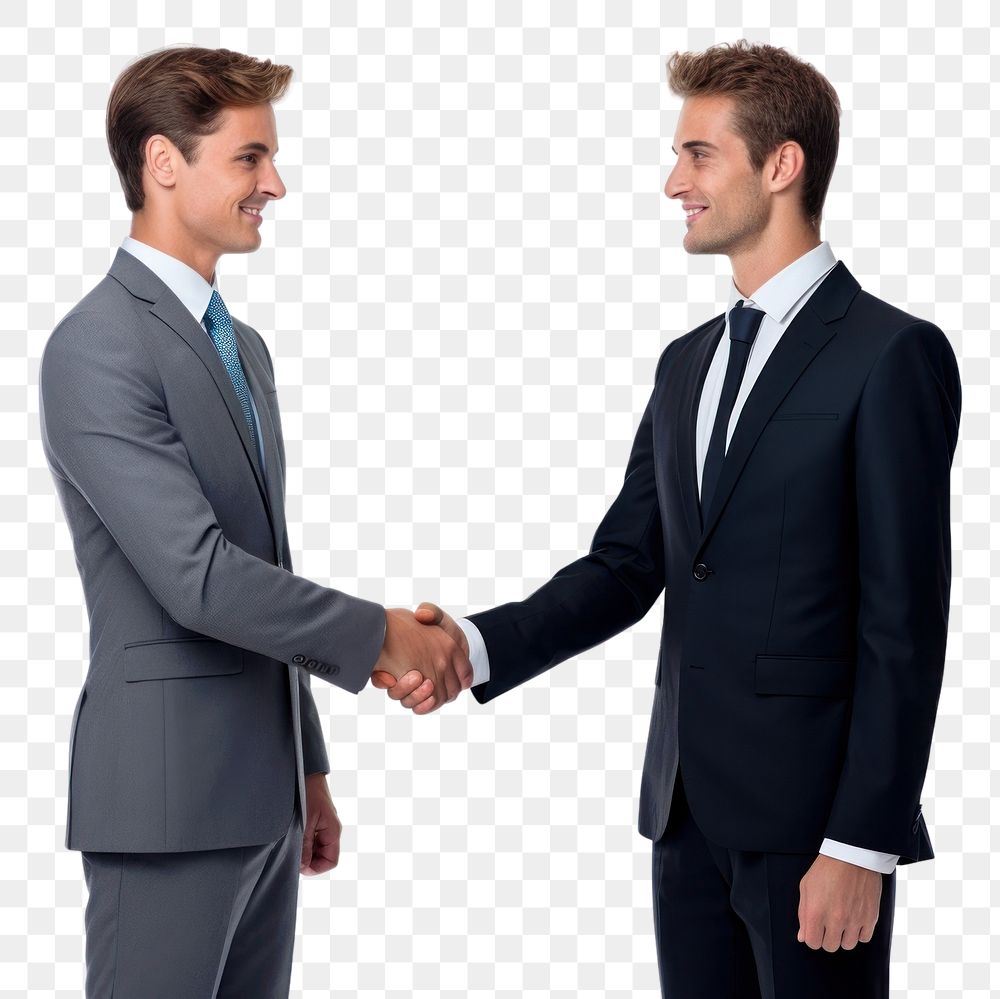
(246, 246)
(705, 245)
(693, 246)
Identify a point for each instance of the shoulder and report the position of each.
(912, 368)
(867, 307)
(98, 333)
(893, 332)
(96, 374)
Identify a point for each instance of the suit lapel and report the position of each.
(167, 307)
(272, 461)
(685, 418)
(805, 337)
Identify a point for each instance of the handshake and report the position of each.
(424, 660)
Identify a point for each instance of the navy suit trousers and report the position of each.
(727, 922)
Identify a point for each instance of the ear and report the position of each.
(785, 166)
(160, 158)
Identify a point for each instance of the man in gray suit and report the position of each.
(197, 787)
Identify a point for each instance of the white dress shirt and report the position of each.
(194, 292)
(780, 298)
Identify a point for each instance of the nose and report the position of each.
(272, 184)
(677, 182)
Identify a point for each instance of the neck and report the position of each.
(161, 235)
(756, 265)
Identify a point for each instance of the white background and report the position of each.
(465, 292)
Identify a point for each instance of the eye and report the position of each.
(696, 153)
(250, 156)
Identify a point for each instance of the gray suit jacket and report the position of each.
(195, 723)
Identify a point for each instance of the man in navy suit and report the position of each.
(789, 487)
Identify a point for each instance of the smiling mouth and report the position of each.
(254, 212)
(695, 213)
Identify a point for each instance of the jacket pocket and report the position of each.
(810, 676)
(164, 659)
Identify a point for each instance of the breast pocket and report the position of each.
(805, 416)
(166, 659)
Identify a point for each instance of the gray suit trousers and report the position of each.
(202, 924)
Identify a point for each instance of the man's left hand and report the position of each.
(838, 904)
(321, 836)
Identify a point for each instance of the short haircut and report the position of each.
(181, 92)
(777, 97)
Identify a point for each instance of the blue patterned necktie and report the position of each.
(743, 326)
(219, 324)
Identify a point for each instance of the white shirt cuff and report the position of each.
(884, 863)
(478, 657)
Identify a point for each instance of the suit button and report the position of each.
(299, 659)
(701, 572)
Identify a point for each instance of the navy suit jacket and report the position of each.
(806, 611)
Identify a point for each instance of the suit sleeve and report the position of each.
(590, 600)
(905, 438)
(106, 431)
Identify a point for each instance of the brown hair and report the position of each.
(181, 92)
(777, 97)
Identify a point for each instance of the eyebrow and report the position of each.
(693, 143)
(255, 147)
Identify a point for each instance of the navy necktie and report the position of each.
(220, 328)
(743, 326)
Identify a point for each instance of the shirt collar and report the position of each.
(185, 282)
(777, 295)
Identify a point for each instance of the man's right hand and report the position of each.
(410, 650)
